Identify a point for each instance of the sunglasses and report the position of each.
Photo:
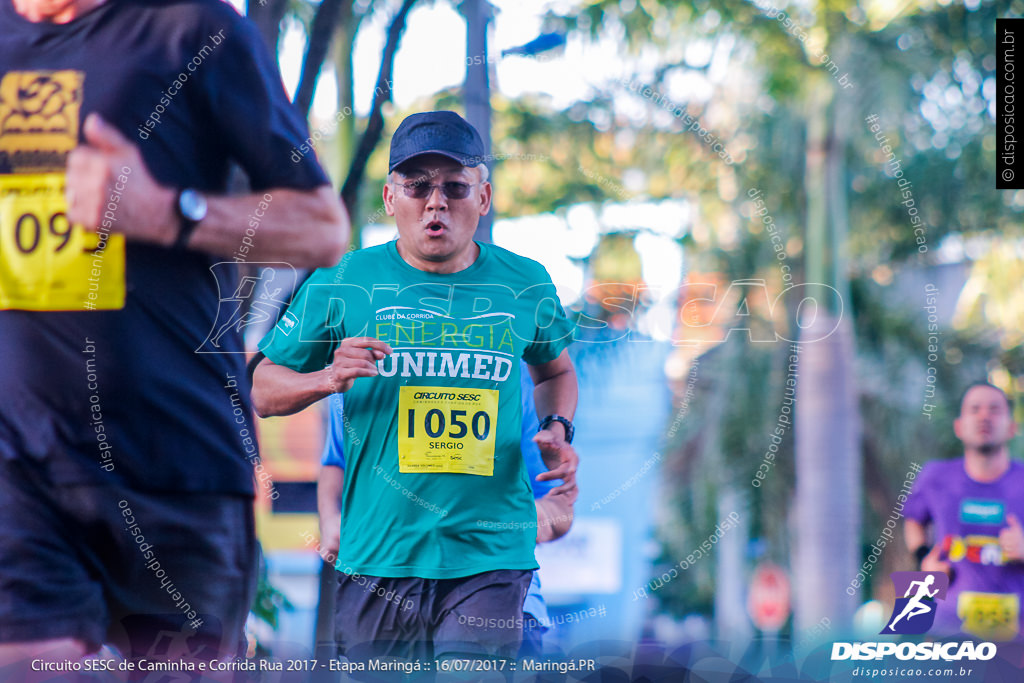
(451, 190)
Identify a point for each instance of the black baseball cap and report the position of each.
(436, 132)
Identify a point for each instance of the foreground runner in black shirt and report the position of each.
(125, 469)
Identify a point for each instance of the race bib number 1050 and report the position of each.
(441, 429)
(46, 264)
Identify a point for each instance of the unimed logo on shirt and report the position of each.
(289, 322)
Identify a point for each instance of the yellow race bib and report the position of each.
(47, 264)
(441, 429)
(992, 616)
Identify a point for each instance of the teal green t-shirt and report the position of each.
(435, 485)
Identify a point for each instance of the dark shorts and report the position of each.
(156, 575)
(420, 619)
(533, 638)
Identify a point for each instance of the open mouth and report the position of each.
(435, 228)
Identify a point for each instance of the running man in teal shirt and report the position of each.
(424, 336)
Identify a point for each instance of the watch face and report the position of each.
(192, 205)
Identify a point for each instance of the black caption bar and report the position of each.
(1009, 153)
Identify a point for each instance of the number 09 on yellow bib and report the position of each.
(48, 264)
(444, 429)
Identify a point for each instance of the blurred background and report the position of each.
(776, 226)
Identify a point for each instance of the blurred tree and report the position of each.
(774, 97)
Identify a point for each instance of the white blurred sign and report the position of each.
(586, 560)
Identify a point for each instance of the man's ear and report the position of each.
(485, 198)
(389, 199)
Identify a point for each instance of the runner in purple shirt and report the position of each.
(973, 506)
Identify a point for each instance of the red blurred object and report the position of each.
(768, 602)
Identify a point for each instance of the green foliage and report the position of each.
(268, 601)
(923, 73)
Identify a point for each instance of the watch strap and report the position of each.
(186, 225)
(185, 230)
(570, 430)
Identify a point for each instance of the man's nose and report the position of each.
(436, 201)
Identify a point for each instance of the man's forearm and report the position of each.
(328, 503)
(557, 394)
(554, 517)
(277, 390)
(329, 485)
(556, 391)
(307, 229)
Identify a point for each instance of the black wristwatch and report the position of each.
(566, 422)
(191, 208)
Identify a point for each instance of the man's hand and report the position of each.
(355, 357)
(277, 390)
(135, 205)
(932, 563)
(554, 450)
(1011, 539)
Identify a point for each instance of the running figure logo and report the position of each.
(914, 613)
(255, 301)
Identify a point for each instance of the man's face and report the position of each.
(985, 423)
(437, 228)
(57, 11)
